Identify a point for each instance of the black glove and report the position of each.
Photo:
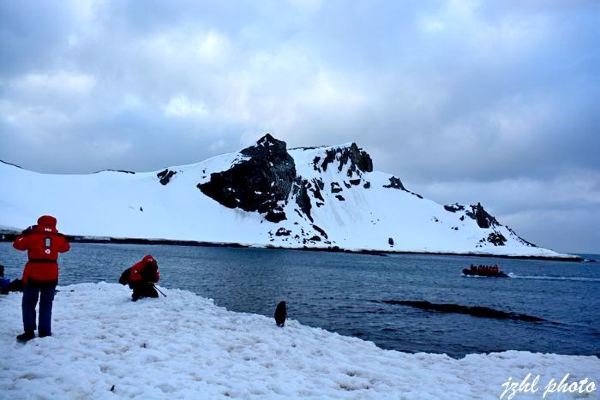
(124, 277)
(28, 230)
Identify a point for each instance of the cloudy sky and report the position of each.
(465, 101)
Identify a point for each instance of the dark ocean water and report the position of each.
(343, 293)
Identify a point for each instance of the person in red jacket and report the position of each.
(43, 243)
(141, 277)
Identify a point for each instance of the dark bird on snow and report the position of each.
(281, 314)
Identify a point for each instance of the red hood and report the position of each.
(47, 223)
(148, 258)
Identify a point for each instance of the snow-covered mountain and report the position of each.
(264, 195)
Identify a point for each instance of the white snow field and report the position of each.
(184, 347)
(127, 205)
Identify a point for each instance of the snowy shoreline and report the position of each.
(183, 346)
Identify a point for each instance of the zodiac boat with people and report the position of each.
(489, 271)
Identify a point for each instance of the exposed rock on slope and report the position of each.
(484, 220)
(165, 176)
(358, 160)
(259, 182)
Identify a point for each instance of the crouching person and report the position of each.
(4, 283)
(40, 276)
(7, 286)
(141, 277)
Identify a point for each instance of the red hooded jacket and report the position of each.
(43, 243)
(144, 270)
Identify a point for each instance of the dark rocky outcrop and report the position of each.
(454, 207)
(367, 185)
(497, 239)
(320, 230)
(319, 183)
(300, 191)
(276, 214)
(359, 160)
(390, 241)
(476, 311)
(283, 232)
(340, 197)
(259, 183)
(316, 188)
(395, 183)
(335, 187)
(165, 176)
(484, 220)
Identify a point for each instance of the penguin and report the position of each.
(281, 314)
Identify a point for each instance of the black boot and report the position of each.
(26, 336)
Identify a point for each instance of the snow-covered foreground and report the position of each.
(183, 346)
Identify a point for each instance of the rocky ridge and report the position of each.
(265, 180)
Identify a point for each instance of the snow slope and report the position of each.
(348, 207)
(183, 346)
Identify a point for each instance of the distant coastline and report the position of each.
(9, 236)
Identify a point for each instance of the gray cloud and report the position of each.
(463, 100)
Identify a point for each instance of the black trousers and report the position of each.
(143, 289)
(31, 294)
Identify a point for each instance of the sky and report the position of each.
(465, 101)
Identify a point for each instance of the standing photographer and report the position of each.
(40, 276)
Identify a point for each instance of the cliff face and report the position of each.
(263, 195)
(263, 179)
(259, 182)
